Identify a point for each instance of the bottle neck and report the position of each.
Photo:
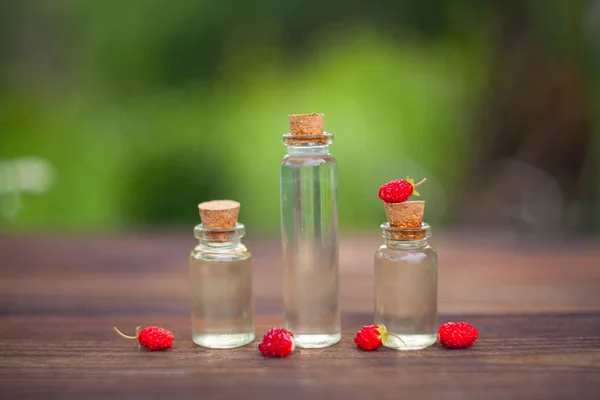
(400, 238)
(299, 145)
(405, 244)
(220, 240)
(307, 150)
(214, 245)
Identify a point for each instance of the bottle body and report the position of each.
(406, 292)
(221, 293)
(309, 225)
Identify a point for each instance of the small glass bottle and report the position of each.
(309, 230)
(406, 273)
(221, 279)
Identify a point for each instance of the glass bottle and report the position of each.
(309, 226)
(406, 287)
(221, 288)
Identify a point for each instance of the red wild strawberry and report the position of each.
(399, 191)
(372, 337)
(277, 342)
(152, 338)
(457, 335)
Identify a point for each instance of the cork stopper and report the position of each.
(307, 130)
(306, 124)
(405, 219)
(219, 215)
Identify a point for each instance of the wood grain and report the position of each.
(537, 307)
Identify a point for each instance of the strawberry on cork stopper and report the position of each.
(401, 213)
(400, 190)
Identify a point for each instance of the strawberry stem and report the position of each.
(124, 335)
(137, 335)
(384, 332)
(420, 183)
(397, 337)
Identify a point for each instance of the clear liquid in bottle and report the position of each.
(310, 245)
(406, 293)
(221, 279)
(221, 302)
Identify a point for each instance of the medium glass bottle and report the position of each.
(221, 284)
(406, 287)
(309, 227)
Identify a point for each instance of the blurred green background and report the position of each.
(125, 114)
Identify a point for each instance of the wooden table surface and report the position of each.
(536, 305)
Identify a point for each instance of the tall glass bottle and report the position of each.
(221, 279)
(309, 227)
(406, 287)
